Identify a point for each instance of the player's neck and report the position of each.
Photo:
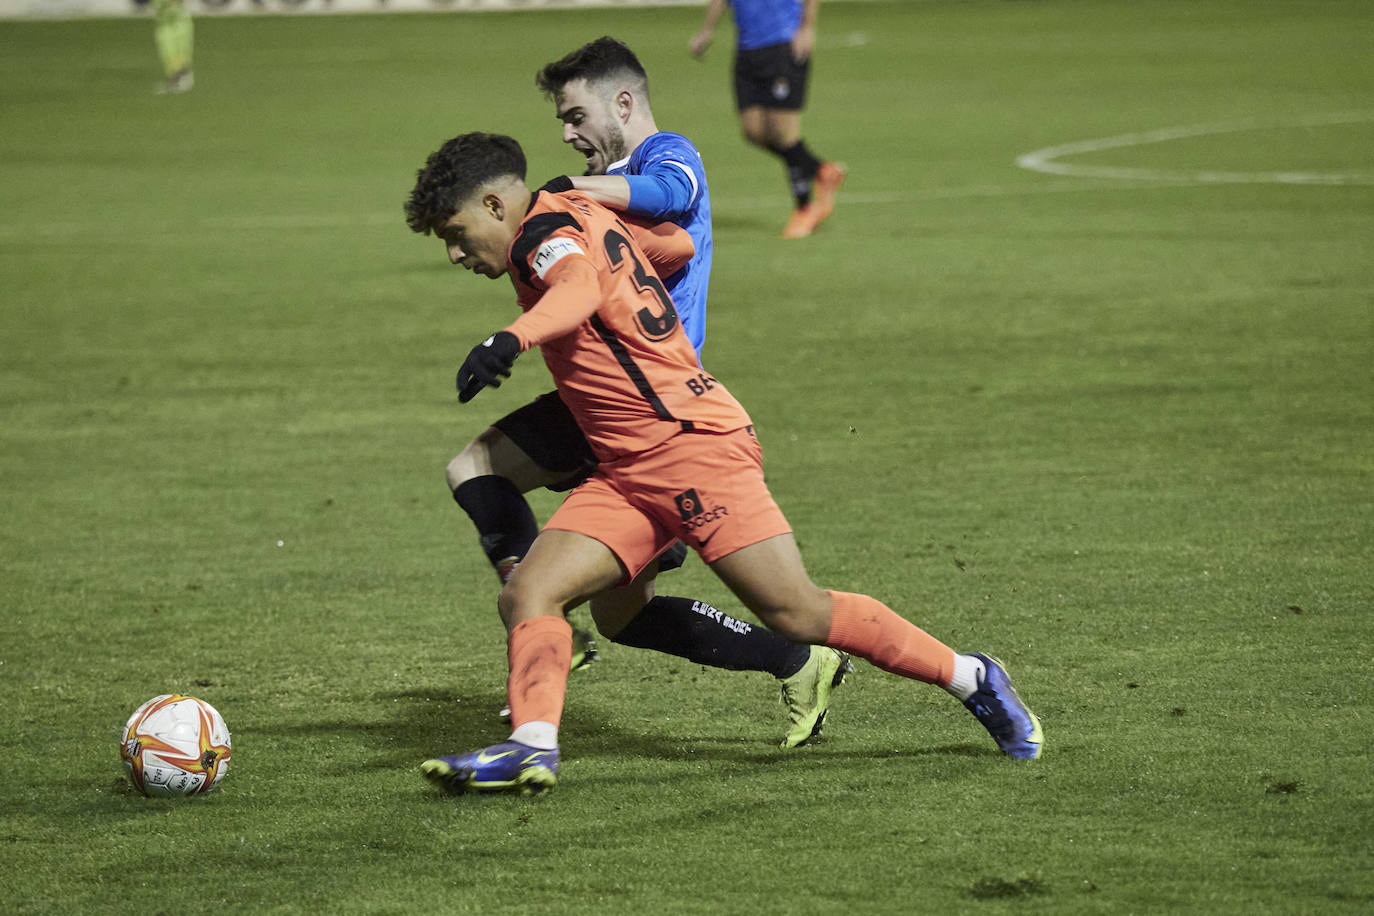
(639, 130)
(521, 199)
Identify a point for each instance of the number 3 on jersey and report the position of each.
(655, 326)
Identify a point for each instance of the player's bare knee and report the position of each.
(473, 461)
(516, 604)
(525, 597)
(457, 473)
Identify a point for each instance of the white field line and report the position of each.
(1109, 179)
(1046, 160)
(914, 195)
(349, 220)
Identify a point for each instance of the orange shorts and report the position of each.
(704, 489)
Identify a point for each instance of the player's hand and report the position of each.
(557, 185)
(803, 43)
(487, 364)
(699, 43)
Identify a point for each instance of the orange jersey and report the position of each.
(607, 327)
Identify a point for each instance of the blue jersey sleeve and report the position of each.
(665, 194)
(666, 177)
(668, 182)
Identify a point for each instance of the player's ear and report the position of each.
(624, 104)
(493, 204)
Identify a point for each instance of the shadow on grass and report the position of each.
(430, 722)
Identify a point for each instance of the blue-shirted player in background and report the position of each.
(601, 94)
(772, 63)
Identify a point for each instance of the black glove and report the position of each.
(558, 185)
(487, 364)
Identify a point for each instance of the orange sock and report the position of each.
(868, 628)
(540, 651)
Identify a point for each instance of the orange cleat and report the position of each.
(800, 224)
(829, 177)
(804, 220)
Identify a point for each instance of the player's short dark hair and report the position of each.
(594, 62)
(455, 171)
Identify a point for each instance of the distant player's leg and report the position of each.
(635, 616)
(174, 33)
(561, 570)
(814, 182)
(771, 93)
(779, 132)
(759, 82)
(771, 581)
(782, 131)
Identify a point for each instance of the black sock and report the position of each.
(698, 632)
(801, 170)
(503, 519)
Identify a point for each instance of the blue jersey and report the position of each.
(761, 23)
(668, 182)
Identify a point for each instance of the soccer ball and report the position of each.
(175, 745)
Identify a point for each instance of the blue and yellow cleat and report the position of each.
(995, 703)
(506, 767)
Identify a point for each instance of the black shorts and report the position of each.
(545, 430)
(770, 77)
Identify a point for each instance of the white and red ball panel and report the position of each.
(175, 745)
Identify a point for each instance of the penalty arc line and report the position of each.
(1045, 160)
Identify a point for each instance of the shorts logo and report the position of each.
(781, 88)
(689, 504)
(694, 514)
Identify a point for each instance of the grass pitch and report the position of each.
(1118, 431)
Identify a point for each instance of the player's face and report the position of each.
(590, 125)
(477, 239)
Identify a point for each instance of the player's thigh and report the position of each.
(753, 124)
(599, 510)
(771, 580)
(536, 445)
(782, 127)
(493, 452)
(561, 570)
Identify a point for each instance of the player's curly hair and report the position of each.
(595, 62)
(455, 171)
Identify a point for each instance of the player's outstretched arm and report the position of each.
(665, 191)
(611, 191)
(702, 39)
(574, 294)
(572, 297)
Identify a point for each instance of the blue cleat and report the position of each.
(505, 767)
(995, 703)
